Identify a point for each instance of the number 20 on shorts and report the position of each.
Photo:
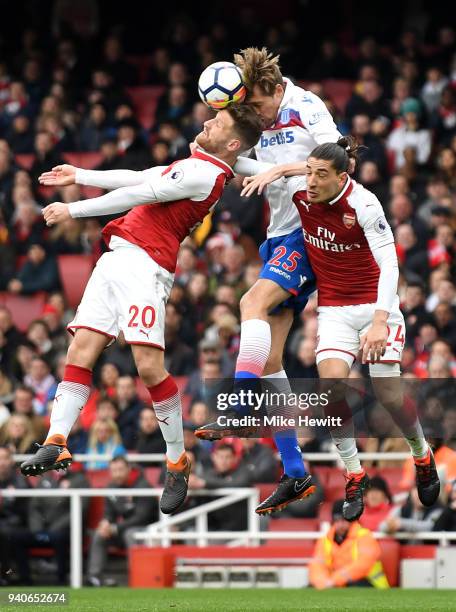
(147, 316)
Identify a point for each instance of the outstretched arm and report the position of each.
(257, 183)
(186, 180)
(66, 174)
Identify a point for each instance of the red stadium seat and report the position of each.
(335, 485)
(390, 560)
(152, 474)
(294, 524)
(75, 271)
(98, 478)
(291, 525)
(95, 513)
(339, 91)
(142, 63)
(25, 160)
(87, 160)
(145, 100)
(322, 472)
(24, 308)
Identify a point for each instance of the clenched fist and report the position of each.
(56, 213)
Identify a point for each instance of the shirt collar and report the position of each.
(286, 95)
(201, 154)
(346, 190)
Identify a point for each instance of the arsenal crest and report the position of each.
(349, 220)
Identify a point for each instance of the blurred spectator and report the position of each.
(443, 119)
(413, 308)
(303, 364)
(198, 414)
(49, 525)
(224, 473)
(436, 190)
(179, 357)
(149, 438)
(431, 91)
(10, 337)
(24, 405)
(447, 519)
(77, 440)
(385, 437)
(412, 516)
(369, 100)
(158, 72)
(46, 156)
(123, 516)
(66, 238)
(446, 163)
(375, 150)
(20, 135)
(330, 63)
(40, 380)
(38, 273)
(200, 114)
(132, 148)
(115, 63)
(27, 221)
(410, 134)
(13, 511)
(130, 407)
(170, 133)
(17, 435)
(348, 555)
(259, 461)
(377, 503)
(94, 128)
(104, 439)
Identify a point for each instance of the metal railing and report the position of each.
(161, 530)
(160, 458)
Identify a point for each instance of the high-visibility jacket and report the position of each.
(356, 558)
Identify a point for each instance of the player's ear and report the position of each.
(234, 145)
(343, 178)
(280, 89)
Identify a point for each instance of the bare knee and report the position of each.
(251, 307)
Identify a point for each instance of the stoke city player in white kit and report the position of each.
(294, 122)
(130, 284)
(351, 248)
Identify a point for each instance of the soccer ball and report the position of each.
(221, 84)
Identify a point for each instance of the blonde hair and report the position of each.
(259, 67)
(114, 437)
(26, 440)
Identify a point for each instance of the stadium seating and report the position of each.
(152, 474)
(145, 100)
(390, 559)
(74, 271)
(24, 308)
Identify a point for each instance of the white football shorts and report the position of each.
(126, 292)
(341, 327)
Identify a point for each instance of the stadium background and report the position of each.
(103, 86)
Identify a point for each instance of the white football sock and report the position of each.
(70, 398)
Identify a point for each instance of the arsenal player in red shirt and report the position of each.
(130, 285)
(351, 249)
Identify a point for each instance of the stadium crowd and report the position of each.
(54, 103)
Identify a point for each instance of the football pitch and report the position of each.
(240, 600)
